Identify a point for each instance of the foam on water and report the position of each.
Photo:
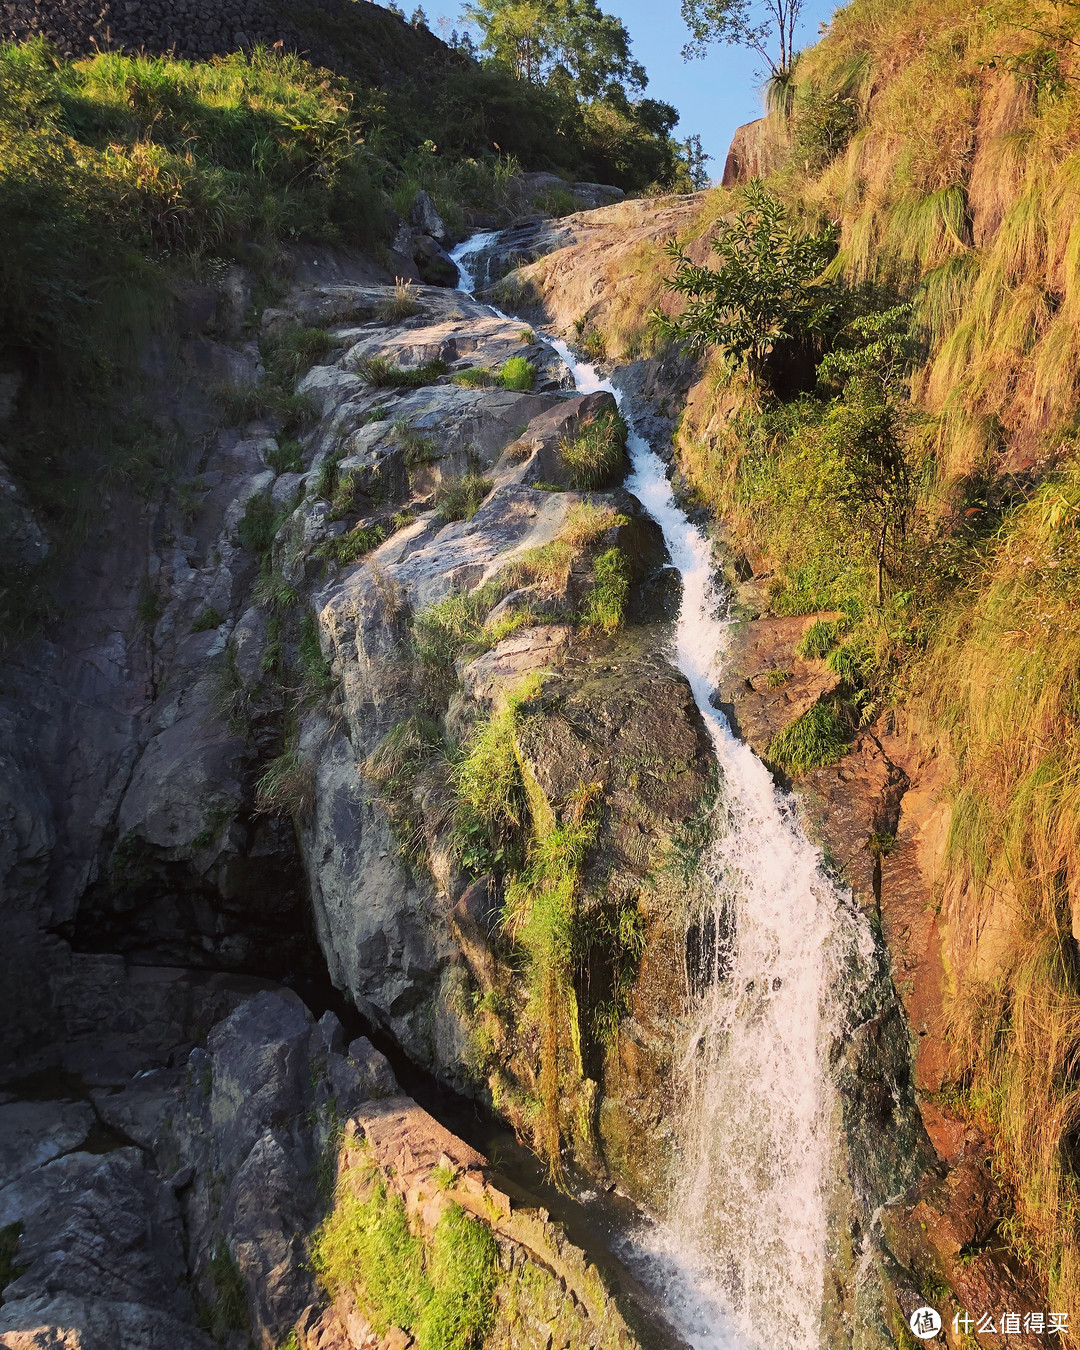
(739, 1257)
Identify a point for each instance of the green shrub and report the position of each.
(757, 302)
(813, 740)
(611, 585)
(517, 373)
(383, 374)
(460, 498)
(595, 451)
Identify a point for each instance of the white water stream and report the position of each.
(739, 1258)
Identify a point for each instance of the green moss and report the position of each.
(440, 1289)
(365, 1246)
(260, 523)
(463, 1267)
(813, 740)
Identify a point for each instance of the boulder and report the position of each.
(423, 215)
(434, 264)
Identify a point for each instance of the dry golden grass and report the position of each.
(961, 188)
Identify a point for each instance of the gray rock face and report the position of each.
(34, 1133)
(424, 216)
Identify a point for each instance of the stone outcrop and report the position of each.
(756, 149)
(178, 1209)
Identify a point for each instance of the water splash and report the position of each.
(739, 1259)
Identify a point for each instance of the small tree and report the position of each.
(766, 302)
(767, 28)
(571, 41)
(868, 424)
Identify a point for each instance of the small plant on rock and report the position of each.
(818, 640)
(517, 373)
(208, 619)
(476, 377)
(403, 304)
(383, 374)
(460, 498)
(815, 739)
(611, 585)
(595, 451)
(286, 784)
(287, 456)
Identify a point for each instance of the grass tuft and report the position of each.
(460, 498)
(403, 304)
(815, 739)
(595, 452)
(383, 374)
(517, 373)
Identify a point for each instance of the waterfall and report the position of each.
(739, 1258)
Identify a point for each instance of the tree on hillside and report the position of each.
(767, 28)
(560, 41)
(767, 300)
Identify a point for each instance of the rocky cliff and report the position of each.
(208, 818)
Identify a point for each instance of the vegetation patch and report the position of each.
(381, 373)
(476, 377)
(813, 740)
(459, 498)
(402, 304)
(287, 784)
(393, 768)
(606, 604)
(439, 1288)
(593, 455)
(517, 373)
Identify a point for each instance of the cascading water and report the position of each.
(739, 1258)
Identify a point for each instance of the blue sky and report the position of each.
(713, 96)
